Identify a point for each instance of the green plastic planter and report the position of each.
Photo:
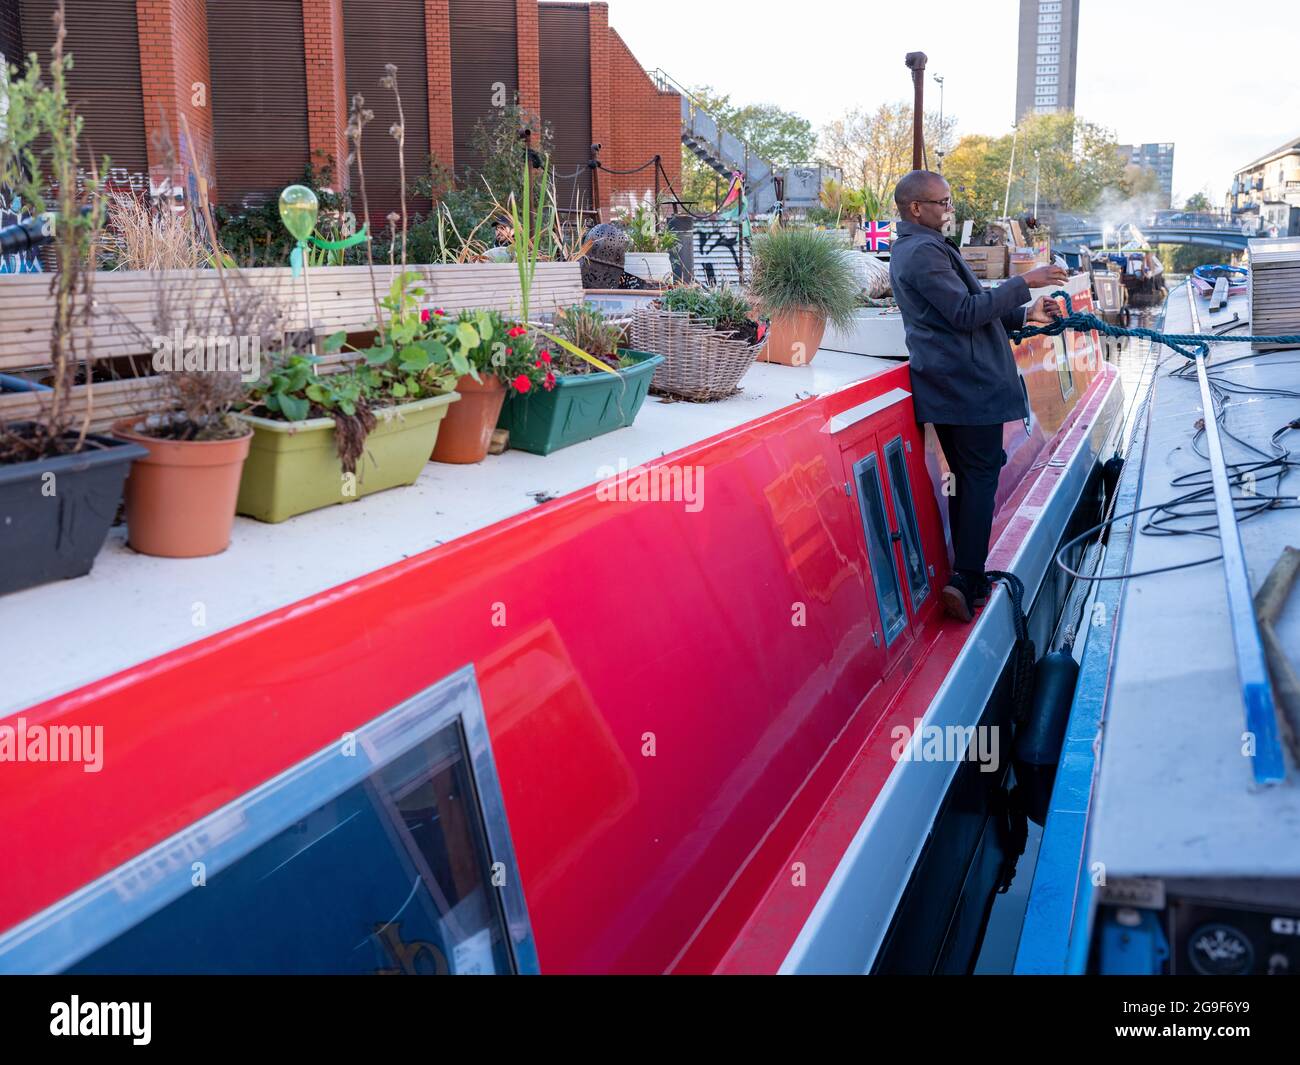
(579, 407)
(293, 467)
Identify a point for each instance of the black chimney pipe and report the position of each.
(916, 64)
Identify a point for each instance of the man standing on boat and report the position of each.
(964, 376)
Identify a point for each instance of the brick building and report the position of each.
(265, 87)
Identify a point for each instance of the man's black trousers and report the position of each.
(975, 458)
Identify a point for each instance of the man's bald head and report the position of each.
(915, 198)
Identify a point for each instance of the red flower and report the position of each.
(546, 356)
(517, 331)
(522, 384)
(538, 364)
(424, 315)
(549, 383)
(510, 351)
(440, 313)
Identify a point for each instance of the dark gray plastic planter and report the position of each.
(55, 513)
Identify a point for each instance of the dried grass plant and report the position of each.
(145, 236)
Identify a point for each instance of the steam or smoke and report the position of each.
(1116, 208)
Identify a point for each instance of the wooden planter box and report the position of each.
(341, 299)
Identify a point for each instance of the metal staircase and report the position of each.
(721, 149)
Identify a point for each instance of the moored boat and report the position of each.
(634, 707)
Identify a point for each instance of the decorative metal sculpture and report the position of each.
(602, 266)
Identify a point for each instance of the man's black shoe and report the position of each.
(958, 597)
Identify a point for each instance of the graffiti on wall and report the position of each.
(722, 255)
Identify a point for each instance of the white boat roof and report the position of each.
(132, 607)
(1175, 795)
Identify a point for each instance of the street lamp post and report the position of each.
(1035, 184)
(939, 79)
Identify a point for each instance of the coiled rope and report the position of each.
(1190, 346)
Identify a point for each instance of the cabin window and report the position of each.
(1063, 372)
(918, 582)
(379, 858)
(875, 522)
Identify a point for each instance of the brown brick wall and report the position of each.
(327, 99)
(529, 72)
(437, 21)
(633, 123)
(175, 81)
(598, 14)
(645, 122)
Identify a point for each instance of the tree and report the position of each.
(1184, 258)
(1198, 202)
(1074, 162)
(874, 149)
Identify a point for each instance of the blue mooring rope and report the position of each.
(1189, 345)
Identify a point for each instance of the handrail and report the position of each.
(1252, 667)
(661, 77)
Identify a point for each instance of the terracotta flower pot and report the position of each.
(467, 429)
(180, 498)
(793, 337)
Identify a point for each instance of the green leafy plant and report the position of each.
(722, 308)
(800, 269)
(643, 230)
(255, 236)
(485, 342)
(585, 326)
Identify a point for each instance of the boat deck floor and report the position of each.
(132, 608)
(1175, 794)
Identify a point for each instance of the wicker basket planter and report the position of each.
(699, 363)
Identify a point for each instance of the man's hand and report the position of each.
(1042, 311)
(1042, 276)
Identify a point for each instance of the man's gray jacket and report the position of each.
(963, 372)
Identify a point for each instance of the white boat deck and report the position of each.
(1175, 794)
(132, 608)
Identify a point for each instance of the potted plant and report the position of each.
(579, 400)
(649, 246)
(324, 438)
(802, 280)
(501, 357)
(321, 438)
(708, 339)
(60, 485)
(180, 497)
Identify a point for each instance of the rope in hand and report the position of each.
(1191, 346)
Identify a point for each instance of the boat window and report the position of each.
(918, 581)
(373, 861)
(1063, 371)
(871, 503)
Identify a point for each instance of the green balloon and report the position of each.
(298, 209)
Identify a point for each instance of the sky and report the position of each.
(1221, 83)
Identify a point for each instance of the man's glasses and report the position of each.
(945, 202)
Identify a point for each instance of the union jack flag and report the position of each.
(877, 235)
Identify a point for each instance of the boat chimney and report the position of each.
(916, 64)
